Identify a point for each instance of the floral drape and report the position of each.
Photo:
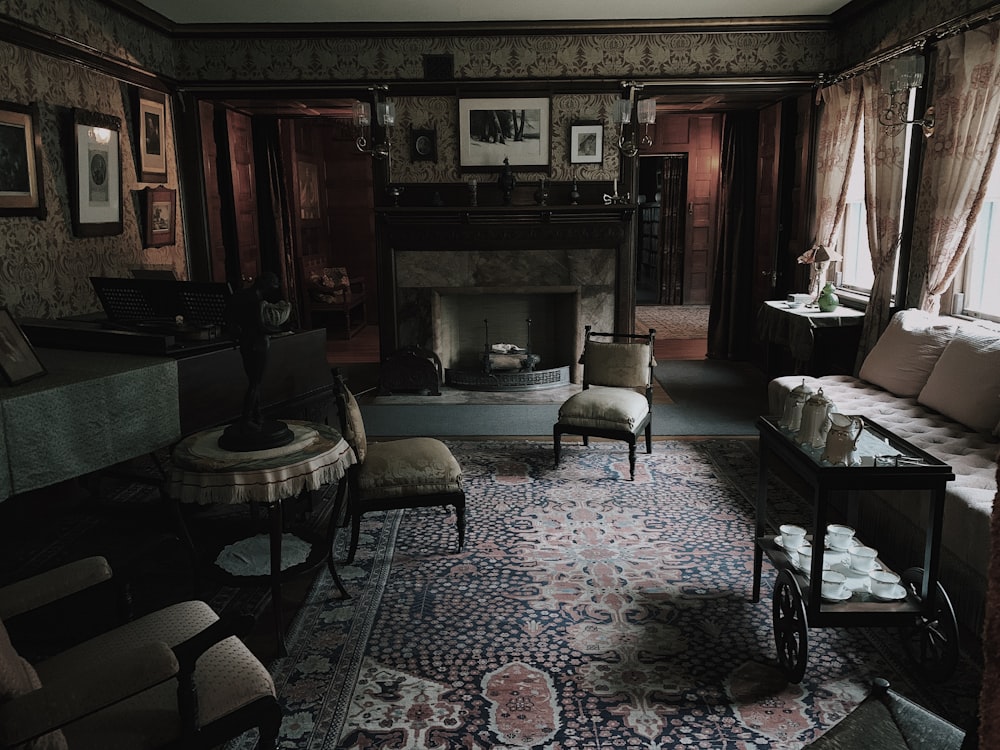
(837, 139)
(884, 162)
(959, 156)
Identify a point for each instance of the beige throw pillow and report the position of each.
(906, 352)
(965, 382)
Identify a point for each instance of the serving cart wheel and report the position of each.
(932, 641)
(790, 626)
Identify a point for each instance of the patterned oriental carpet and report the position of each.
(586, 611)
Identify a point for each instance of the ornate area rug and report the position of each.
(587, 611)
(673, 321)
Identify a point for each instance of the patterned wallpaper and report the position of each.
(44, 269)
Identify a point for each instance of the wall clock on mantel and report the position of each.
(423, 144)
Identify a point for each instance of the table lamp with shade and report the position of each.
(819, 257)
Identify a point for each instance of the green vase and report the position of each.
(828, 300)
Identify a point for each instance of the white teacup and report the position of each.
(863, 559)
(833, 584)
(791, 536)
(805, 553)
(883, 582)
(838, 536)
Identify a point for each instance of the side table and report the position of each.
(820, 343)
(204, 473)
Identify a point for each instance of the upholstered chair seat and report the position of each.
(617, 397)
(410, 473)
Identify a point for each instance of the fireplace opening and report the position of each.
(469, 321)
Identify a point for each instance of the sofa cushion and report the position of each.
(906, 352)
(965, 382)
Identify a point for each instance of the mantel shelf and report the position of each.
(505, 214)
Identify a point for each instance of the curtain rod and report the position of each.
(941, 31)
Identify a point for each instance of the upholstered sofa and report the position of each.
(934, 381)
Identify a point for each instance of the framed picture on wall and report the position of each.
(491, 130)
(586, 143)
(151, 121)
(308, 175)
(97, 175)
(161, 216)
(21, 191)
(18, 361)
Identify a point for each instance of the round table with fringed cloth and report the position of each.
(204, 473)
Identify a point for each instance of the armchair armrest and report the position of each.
(52, 585)
(64, 700)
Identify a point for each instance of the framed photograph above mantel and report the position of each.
(151, 111)
(21, 191)
(97, 175)
(497, 128)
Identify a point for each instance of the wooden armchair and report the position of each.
(621, 406)
(334, 297)
(175, 678)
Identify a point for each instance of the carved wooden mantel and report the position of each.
(502, 228)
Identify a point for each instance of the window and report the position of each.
(982, 263)
(856, 267)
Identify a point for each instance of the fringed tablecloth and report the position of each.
(204, 473)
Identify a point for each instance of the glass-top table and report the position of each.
(885, 462)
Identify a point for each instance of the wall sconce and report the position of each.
(900, 76)
(385, 113)
(622, 116)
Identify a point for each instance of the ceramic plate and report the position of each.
(844, 596)
(898, 593)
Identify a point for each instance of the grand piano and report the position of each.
(140, 318)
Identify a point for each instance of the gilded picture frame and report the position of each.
(21, 185)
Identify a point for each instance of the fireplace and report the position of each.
(468, 321)
(453, 272)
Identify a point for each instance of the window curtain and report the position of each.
(839, 119)
(884, 158)
(959, 156)
(730, 329)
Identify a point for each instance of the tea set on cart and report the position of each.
(832, 578)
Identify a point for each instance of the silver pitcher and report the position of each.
(842, 440)
(791, 414)
(815, 423)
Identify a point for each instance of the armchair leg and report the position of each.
(649, 438)
(355, 535)
(631, 460)
(460, 523)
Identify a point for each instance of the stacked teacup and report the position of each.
(793, 541)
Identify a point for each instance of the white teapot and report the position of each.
(791, 415)
(815, 422)
(842, 440)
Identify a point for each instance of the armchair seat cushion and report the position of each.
(228, 677)
(605, 409)
(405, 468)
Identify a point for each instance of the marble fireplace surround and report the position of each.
(450, 273)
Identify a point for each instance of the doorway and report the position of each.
(662, 197)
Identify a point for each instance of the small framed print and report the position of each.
(423, 144)
(97, 173)
(586, 143)
(161, 219)
(151, 120)
(20, 161)
(18, 361)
